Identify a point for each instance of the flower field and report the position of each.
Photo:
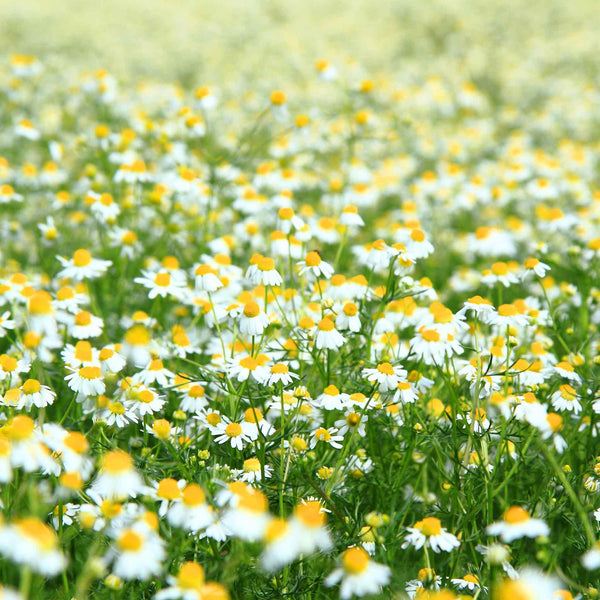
(307, 331)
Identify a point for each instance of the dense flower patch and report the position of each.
(264, 344)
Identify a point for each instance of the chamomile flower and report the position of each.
(358, 575)
(315, 266)
(265, 273)
(30, 542)
(516, 524)
(86, 325)
(332, 399)
(350, 217)
(110, 359)
(190, 511)
(162, 284)
(565, 398)
(533, 265)
(193, 398)
(280, 373)
(528, 585)
(566, 370)
(253, 320)
(137, 553)
(253, 471)
(143, 400)
(254, 424)
(348, 318)
(117, 477)
(385, 376)
(245, 366)
(429, 532)
(280, 547)
(405, 393)
(36, 394)
(309, 526)
(9, 594)
(591, 559)
(228, 432)
(206, 278)
(478, 305)
(352, 421)
(155, 372)
(326, 436)
(82, 266)
(507, 316)
(327, 336)
(247, 516)
(86, 381)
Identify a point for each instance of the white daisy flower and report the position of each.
(82, 266)
(516, 524)
(429, 532)
(358, 575)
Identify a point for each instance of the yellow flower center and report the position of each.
(161, 428)
(162, 279)
(38, 531)
(353, 419)
(322, 434)
(251, 309)
(193, 495)
(429, 335)
(253, 500)
(251, 465)
(82, 258)
(233, 429)
(190, 576)
(278, 97)
(417, 235)
(567, 392)
(500, 268)
(213, 419)
(117, 461)
(40, 303)
(266, 264)
(76, 441)
(90, 373)
(106, 353)
(311, 514)
(31, 386)
(130, 541)
(145, 396)
(385, 368)
(430, 526)
(138, 335)
(276, 529)
(355, 560)
(71, 480)
(326, 324)
(513, 590)
(249, 363)
(196, 391)
(516, 514)
(253, 415)
(20, 428)
(168, 489)
(313, 259)
(8, 363)
(507, 310)
(83, 351)
(83, 318)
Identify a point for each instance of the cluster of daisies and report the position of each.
(270, 348)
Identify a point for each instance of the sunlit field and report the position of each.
(299, 300)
